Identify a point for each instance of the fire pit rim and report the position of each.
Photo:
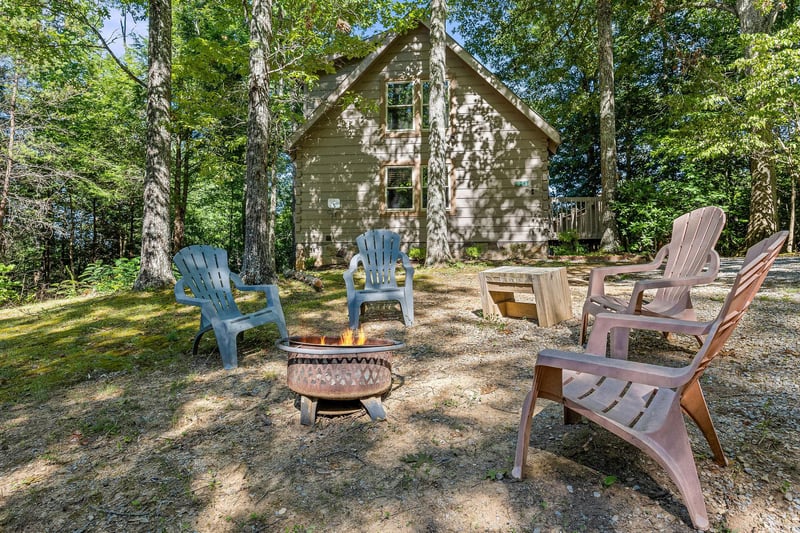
(284, 344)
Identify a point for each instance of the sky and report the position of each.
(112, 31)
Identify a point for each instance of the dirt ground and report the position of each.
(215, 451)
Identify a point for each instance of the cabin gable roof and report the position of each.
(553, 137)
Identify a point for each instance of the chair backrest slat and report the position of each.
(379, 251)
(206, 273)
(694, 236)
(755, 267)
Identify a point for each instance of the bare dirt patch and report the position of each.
(196, 448)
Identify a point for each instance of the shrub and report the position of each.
(9, 289)
(309, 263)
(472, 252)
(570, 244)
(103, 278)
(417, 254)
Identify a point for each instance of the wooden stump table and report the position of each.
(548, 285)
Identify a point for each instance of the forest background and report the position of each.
(707, 109)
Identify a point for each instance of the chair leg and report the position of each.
(694, 404)
(408, 313)
(620, 337)
(226, 342)
(584, 326)
(672, 450)
(354, 313)
(524, 434)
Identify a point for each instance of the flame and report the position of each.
(353, 338)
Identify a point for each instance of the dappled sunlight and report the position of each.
(185, 444)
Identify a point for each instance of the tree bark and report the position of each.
(437, 246)
(180, 191)
(608, 143)
(156, 265)
(763, 220)
(12, 116)
(258, 261)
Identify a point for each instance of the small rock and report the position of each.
(596, 494)
(570, 489)
(788, 496)
(281, 511)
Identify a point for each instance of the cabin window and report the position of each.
(426, 104)
(399, 188)
(400, 106)
(424, 172)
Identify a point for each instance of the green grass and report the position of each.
(52, 344)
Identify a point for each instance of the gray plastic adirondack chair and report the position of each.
(690, 260)
(379, 252)
(205, 273)
(642, 403)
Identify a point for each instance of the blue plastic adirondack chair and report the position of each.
(205, 272)
(379, 252)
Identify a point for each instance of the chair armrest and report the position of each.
(407, 267)
(605, 322)
(712, 269)
(647, 374)
(270, 291)
(182, 298)
(348, 274)
(598, 275)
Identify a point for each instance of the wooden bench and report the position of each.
(549, 286)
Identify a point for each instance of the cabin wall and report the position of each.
(498, 163)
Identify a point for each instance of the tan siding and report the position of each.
(493, 148)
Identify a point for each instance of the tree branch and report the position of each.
(107, 47)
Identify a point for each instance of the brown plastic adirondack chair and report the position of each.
(642, 403)
(205, 273)
(690, 260)
(379, 252)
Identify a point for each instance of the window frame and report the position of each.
(423, 105)
(448, 199)
(388, 106)
(413, 188)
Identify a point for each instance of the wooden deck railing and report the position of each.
(577, 213)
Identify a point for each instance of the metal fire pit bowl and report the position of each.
(338, 374)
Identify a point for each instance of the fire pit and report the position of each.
(339, 371)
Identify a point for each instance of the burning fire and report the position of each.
(348, 338)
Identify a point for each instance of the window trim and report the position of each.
(385, 182)
(449, 205)
(422, 105)
(413, 106)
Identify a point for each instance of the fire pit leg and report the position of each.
(374, 407)
(308, 410)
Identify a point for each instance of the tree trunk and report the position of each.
(608, 143)
(437, 246)
(12, 116)
(792, 216)
(763, 188)
(156, 265)
(258, 261)
(180, 191)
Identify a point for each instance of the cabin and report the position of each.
(361, 156)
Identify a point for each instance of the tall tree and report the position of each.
(12, 111)
(608, 133)
(437, 246)
(156, 267)
(258, 261)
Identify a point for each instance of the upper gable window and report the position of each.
(426, 104)
(400, 106)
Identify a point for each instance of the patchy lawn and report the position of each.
(110, 424)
